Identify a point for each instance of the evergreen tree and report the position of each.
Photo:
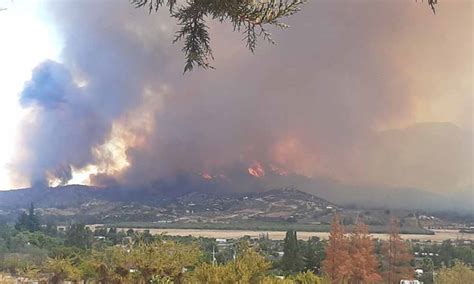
(22, 222)
(396, 256)
(364, 263)
(79, 235)
(33, 220)
(247, 16)
(28, 221)
(337, 265)
(291, 260)
(313, 254)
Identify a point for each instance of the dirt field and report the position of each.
(439, 236)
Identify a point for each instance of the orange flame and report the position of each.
(256, 170)
(206, 176)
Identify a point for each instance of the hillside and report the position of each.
(141, 207)
(110, 205)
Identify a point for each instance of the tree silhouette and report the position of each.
(291, 260)
(396, 256)
(364, 263)
(337, 265)
(247, 16)
(28, 221)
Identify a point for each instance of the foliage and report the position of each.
(459, 273)
(62, 269)
(313, 253)
(337, 265)
(291, 260)
(249, 267)
(79, 235)
(163, 259)
(364, 263)
(396, 256)
(250, 17)
(28, 221)
(247, 16)
(307, 277)
(449, 252)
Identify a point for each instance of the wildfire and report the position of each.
(206, 176)
(256, 170)
(128, 132)
(278, 170)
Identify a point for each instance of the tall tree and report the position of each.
(291, 260)
(337, 265)
(80, 236)
(312, 252)
(396, 256)
(364, 263)
(28, 221)
(33, 220)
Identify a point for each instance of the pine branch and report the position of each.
(247, 16)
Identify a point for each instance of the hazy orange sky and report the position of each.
(373, 93)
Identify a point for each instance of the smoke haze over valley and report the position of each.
(361, 102)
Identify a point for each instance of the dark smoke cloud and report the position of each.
(61, 127)
(50, 84)
(312, 104)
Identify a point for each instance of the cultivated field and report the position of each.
(439, 236)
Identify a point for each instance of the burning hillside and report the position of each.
(113, 112)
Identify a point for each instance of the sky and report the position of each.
(362, 92)
(26, 41)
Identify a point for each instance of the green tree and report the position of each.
(162, 259)
(313, 254)
(428, 268)
(109, 265)
(459, 273)
(306, 278)
(291, 260)
(249, 267)
(28, 221)
(79, 235)
(61, 269)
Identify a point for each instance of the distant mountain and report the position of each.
(96, 205)
(376, 196)
(152, 206)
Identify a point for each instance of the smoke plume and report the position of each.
(340, 96)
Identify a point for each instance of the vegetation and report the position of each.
(459, 273)
(28, 221)
(246, 16)
(109, 255)
(337, 262)
(291, 260)
(396, 257)
(258, 226)
(364, 263)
